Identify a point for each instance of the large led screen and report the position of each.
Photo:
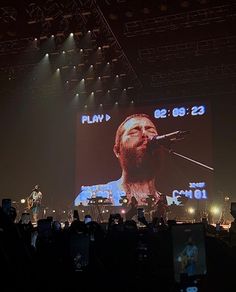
(163, 149)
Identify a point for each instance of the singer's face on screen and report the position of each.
(131, 144)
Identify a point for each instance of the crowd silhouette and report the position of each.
(119, 254)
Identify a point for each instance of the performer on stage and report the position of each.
(34, 202)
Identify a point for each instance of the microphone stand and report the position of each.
(191, 160)
(167, 140)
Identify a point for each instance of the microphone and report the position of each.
(167, 139)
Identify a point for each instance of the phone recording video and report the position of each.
(25, 218)
(6, 206)
(189, 254)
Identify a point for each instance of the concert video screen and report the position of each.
(163, 148)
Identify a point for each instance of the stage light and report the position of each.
(191, 210)
(123, 201)
(22, 201)
(215, 210)
(53, 211)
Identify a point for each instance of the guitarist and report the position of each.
(189, 257)
(34, 202)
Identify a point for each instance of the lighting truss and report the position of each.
(40, 20)
(182, 50)
(180, 20)
(207, 73)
